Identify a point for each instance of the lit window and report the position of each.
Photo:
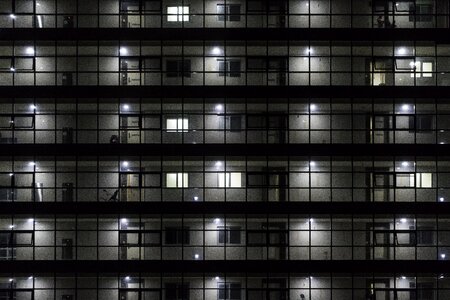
(422, 69)
(178, 13)
(177, 125)
(177, 180)
(227, 179)
(421, 180)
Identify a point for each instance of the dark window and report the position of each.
(425, 236)
(421, 12)
(229, 67)
(229, 291)
(231, 123)
(178, 68)
(177, 291)
(151, 63)
(229, 12)
(229, 235)
(177, 236)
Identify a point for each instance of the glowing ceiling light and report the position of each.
(123, 51)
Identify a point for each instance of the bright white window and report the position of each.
(422, 180)
(231, 180)
(424, 69)
(178, 13)
(177, 125)
(427, 69)
(177, 180)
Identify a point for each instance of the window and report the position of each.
(177, 291)
(229, 67)
(231, 123)
(229, 235)
(229, 180)
(23, 64)
(425, 236)
(421, 123)
(178, 13)
(17, 121)
(422, 69)
(177, 125)
(422, 180)
(177, 180)
(140, 238)
(421, 12)
(229, 291)
(229, 12)
(178, 68)
(177, 236)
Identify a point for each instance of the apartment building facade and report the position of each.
(242, 149)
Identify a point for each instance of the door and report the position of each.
(129, 183)
(130, 14)
(277, 14)
(379, 238)
(130, 129)
(277, 184)
(379, 289)
(277, 240)
(274, 289)
(277, 127)
(380, 183)
(67, 249)
(129, 240)
(380, 129)
(129, 71)
(276, 70)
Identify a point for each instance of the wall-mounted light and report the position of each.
(29, 50)
(195, 198)
(309, 51)
(219, 107)
(217, 278)
(124, 221)
(441, 199)
(401, 51)
(312, 163)
(30, 220)
(216, 221)
(125, 164)
(123, 51)
(443, 255)
(403, 220)
(126, 107)
(216, 51)
(31, 164)
(405, 164)
(31, 277)
(196, 256)
(405, 107)
(312, 107)
(33, 107)
(12, 16)
(218, 164)
(12, 69)
(127, 278)
(403, 277)
(12, 226)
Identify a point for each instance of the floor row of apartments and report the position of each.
(229, 13)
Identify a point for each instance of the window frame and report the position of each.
(184, 180)
(179, 17)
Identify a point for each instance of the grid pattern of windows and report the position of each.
(274, 237)
(234, 179)
(224, 63)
